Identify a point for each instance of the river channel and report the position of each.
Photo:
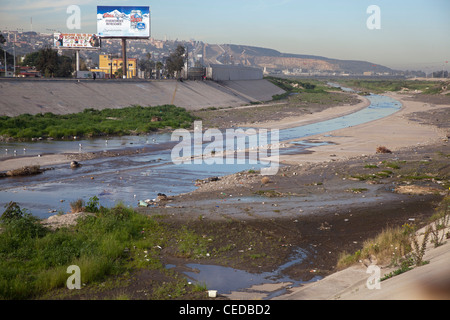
(139, 176)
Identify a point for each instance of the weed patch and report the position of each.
(111, 242)
(90, 123)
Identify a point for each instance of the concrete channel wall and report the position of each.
(69, 96)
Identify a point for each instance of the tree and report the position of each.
(175, 62)
(49, 63)
(146, 65)
(65, 67)
(30, 59)
(119, 73)
(159, 65)
(9, 57)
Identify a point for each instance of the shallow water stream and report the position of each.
(134, 177)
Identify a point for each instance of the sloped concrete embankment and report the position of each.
(69, 96)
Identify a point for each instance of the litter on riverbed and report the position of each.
(143, 204)
(212, 293)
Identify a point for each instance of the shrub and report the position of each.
(93, 205)
(77, 206)
(388, 247)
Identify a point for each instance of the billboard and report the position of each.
(76, 40)
(127, 21)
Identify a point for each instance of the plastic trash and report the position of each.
(143, 203)
(212, 293)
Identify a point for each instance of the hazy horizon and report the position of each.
(413, 34)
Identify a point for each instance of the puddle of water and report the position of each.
(226, 279)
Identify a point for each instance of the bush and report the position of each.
(93, 205)
(111, 242)
(77, 206)
(388, 247)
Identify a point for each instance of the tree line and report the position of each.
(51, 64)
(173, 65)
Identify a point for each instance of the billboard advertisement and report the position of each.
(127, 21)
(76, 40)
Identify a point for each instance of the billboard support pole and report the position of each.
(124, 57)
(78, 59)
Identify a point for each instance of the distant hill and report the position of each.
(271, 60)
(274, 60)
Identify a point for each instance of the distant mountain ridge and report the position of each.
(274, 60)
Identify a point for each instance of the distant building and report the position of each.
(222, 72)
(111, 65)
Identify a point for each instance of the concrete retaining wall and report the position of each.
(69, 96)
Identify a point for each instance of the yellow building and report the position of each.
(110, 66)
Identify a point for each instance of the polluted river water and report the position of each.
(138, 176)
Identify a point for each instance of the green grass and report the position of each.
(303, 93)
(390, 245)
(111, 242)
(401, 246)
(297, 86)
(380, 86)
(90, 122)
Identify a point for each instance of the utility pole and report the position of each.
(110, 65)
(124, 56)
(6, 64)
(78, 59)
(14, 53)
(187, 63)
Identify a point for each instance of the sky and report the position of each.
(412, 34)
